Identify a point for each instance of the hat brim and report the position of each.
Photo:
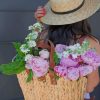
(87, 10)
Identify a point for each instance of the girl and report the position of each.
(67, 24)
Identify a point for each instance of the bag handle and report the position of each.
(43, 44)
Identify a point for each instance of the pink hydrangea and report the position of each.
(61, 71)
(73, 73)
(96, 63)
(91, 58)
(44, 54)
(60, 48)
(85, 70)
(38, 65)
(68, 62)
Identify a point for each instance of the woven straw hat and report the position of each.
(60, 12)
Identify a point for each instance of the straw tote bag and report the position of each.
(47, 88)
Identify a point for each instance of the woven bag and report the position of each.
(64, 90)
(48, 88)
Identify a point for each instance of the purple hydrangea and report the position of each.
(38, 65)
(68, 62)
(61, 71)
(60, 48)
(85, 70)
(91, 58)
(73, 73)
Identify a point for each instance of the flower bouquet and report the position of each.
(62, 69)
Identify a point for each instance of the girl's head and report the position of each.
(68, 34)
(60, 16)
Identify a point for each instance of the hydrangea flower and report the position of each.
(31, 44)
(44, 54)
(30, 27)
(24, 48)
(36, 26)
(60, 48)
(73, 73)
(74, 47)
(90, 57)
(75, 55)
(28, 57)
(68, 62)
(61, 71)
(65, 54)
(85, 70)
(96, 62)
(38, 65)
(32, 36)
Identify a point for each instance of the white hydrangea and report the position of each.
(65, 54)
(24, 48)
(74, 47)
(77, 45)
(75, 55)
(59, 55)
(36, 25)
(28, 57)
(44, 54)
(31, 44)
(32, 36)
(30, 27)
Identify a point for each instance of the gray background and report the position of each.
(15, 17)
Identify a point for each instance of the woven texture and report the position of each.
(65, 5)
(64, 90)
(87, 10)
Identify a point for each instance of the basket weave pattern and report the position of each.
(64, 90)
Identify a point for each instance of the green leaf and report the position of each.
(15, 67)
(36, 52)
(19, 58)
(56, 59)
(30, 76)
(17, 47)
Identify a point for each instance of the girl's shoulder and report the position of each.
(93, 43)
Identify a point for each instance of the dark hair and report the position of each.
(67, 34)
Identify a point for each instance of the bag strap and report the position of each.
(43, 44)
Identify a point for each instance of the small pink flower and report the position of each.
(61, 71)
(91, 58)
(44, 54)
(73, 73)
(96, 63)
(85, 70)
(38, 65)
(68, 62)
(60, 48)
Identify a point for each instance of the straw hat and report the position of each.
(60, 12)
